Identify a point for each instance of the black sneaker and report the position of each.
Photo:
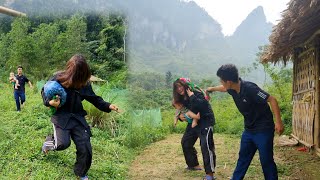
(194, 168)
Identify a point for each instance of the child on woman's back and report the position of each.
(189, 115)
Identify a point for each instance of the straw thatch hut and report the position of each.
(297, 38)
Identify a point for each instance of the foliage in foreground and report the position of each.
(22, 135)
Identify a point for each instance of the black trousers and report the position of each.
(81, 138)
(207, 147)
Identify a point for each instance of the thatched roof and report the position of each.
(299, 23)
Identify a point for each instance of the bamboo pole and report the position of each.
(11, 12)
(317, 95)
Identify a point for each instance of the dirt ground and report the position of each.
(164, 160)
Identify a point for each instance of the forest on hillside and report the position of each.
(169, 35)
(42, 45)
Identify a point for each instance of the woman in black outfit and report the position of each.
(69, 119)
(196, 102)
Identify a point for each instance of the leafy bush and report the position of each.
(141, 136)
(111, 122)
(281, 88)
(228, 118)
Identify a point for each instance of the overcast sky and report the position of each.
(230, 13)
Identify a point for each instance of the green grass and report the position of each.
(115, 144)
(22, 135)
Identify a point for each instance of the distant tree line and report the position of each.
(42, 45)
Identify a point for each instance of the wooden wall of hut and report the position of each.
(317, 96)
(305, 96)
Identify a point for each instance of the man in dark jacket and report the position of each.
(19, 93)
(252, 102)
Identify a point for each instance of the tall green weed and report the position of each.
(22, 135)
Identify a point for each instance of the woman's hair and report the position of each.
(228, 72)
(177, 98)
(76, 74)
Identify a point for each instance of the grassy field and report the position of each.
(165, 160)
(22, 135)
(121, 151)
(115, 143)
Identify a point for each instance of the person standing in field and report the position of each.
(19, 91)
(195, 100)
(259, 130)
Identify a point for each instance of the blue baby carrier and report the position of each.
(53, 88)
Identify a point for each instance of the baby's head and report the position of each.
(177, 105)
(11, 74)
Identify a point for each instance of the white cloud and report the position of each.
(230, 13)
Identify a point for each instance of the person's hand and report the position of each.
(182, 117)
(279, 127)
(189, 92)
(198, 115)
(114, 108)
(175, 122)
(207, 95)
(31, 86)
(55, 102)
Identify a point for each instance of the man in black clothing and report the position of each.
(19, 93)
(252, 102)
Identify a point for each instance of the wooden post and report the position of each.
(317, 93)
(11, 12)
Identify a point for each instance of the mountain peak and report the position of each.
(259, 8)
(252, 32)
(255, 20)
(258, 12)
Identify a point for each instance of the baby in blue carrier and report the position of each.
(191, 117)
(54, 90)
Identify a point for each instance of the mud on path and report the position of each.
(164, 160)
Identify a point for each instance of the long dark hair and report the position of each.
(176, 96)
(76, 74)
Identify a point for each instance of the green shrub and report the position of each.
(228, 118)
(143, 135)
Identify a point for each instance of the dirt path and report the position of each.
(164, 160)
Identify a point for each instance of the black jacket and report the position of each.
(197, 103)
(73, 107)
(252, 102)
